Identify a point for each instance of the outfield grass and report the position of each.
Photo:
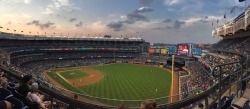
(73, 74)
(129, 82)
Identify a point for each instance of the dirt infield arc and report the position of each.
(71, 94)
(94, 77)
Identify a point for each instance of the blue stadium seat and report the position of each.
(17, 104)
(4, 93)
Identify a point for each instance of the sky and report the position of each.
(156, 21)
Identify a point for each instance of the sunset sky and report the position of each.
(156, 21)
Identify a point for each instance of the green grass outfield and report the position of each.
(128, 82)
(73, 74)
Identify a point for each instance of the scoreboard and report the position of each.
(185, 49)
(197, 51)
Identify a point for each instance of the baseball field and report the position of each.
(118, 83)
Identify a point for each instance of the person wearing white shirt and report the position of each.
(34, 96)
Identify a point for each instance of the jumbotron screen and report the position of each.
(183, 49)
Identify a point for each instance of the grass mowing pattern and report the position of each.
(67, 74)
(130, 82)
(66, 85)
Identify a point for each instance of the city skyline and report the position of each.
(156, 21)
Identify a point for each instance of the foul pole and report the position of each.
(172, 90)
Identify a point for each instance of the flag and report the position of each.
(241, 0)
(232, 10)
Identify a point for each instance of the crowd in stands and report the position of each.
(21, 59)
(214, 59)
(22, 95)
(196, 81)
(239, 44)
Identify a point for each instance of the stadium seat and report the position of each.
(31, 105)
(228, 101)
(213, 106)
(4, 93)
(17, 104)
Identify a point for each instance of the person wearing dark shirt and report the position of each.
(4, 92)
(25, 87)
(5, 105)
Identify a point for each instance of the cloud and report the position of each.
(202, 19)
(171, 2)
(130, 18)
(162, 28)
(144, 10)
(27, 1)
(42, 26)
(170, 25)
(47, 11)
(35, 22)
(116, 26)
(178, 24)
(9, 23)
(145, 2)
(79, 24)
(167, 20)
(133, 17)
(60, 3)
(72, 19)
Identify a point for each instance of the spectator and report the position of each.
(148, 104)
(3, 82)
(5, 105)
(35, 97)
(4, 92)
(122, 106)
(25, 87)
